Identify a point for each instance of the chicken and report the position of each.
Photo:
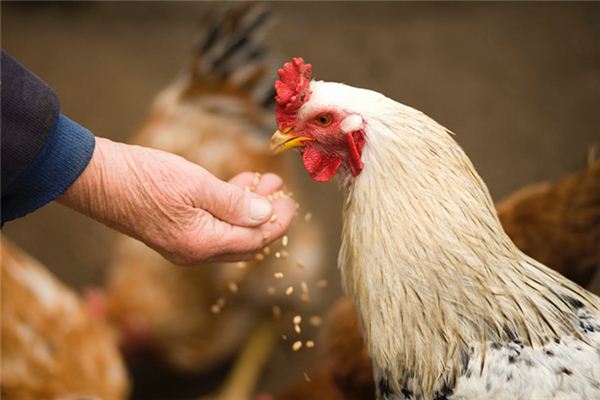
(539, 210)
(194, 318)
(558, 223)
(450, 307)
(51, 347)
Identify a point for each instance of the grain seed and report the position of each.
(259, 257)
(297, 345)
(289, 290)
(315, 320)
(304, 287)
(233, 287)
(297, 319)
(284, 240)
(278, 275)
(310, 344)
(306, 377)
(308, 216)
(271, 290)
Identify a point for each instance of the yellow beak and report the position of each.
(281, 141)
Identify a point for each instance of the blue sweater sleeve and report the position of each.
(43, 151)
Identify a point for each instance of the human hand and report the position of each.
(177, 207)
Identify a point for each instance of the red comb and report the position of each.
(292, 91)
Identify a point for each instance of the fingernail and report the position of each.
(260, 209)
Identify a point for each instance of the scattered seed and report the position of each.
(278, 275)
(289, 290)
(315, 320)
(322, 284)
(297, 329)
(297, 319)
(215, 309)
(267, 250)
(284, 254)
(233, 287)
(271, 290)
(297, 345)
(310, 344)
(276, 311)
(277, 254)
(304, 287)
(308, 216)
(259, 257)
(306, 377)
(284, 240)
(255, 180)
(273, 218)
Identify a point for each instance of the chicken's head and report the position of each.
(318, 119)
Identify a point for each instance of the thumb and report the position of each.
(234, 205)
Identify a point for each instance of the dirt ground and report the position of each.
(519, 83)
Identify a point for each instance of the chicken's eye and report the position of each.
(323, 119)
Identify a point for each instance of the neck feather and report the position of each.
(427, 262)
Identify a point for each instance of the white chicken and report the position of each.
(450, 308)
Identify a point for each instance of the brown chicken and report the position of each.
(556, 222)
(51, 347)
(196, 317)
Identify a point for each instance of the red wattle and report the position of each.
(356, 141)
(320, 166)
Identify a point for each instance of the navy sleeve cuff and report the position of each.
(66, 153)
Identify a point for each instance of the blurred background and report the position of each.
(519, 84)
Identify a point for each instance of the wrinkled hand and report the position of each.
(178, 208)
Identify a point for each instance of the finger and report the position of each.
(232, 204)
(263, 184)
(268, 184)
(237, 243)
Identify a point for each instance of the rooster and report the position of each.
(450, 307)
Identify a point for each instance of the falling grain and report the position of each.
(277, 254)
(284, 241)
(259, 257)
(315, 320)
(284, 254)
(308, 216)
(306, 377)
(215, 309)
(271, 290)
(221, 301)
(267, 250)
(310, 344)
(304, 287)
(241, 265)
(297, 319)
(300, 264)
(322, 284)
(278, 275)
(297, 329)
(284, 337)
(233, 287)
(273, 218)
(289, 290)
(276, 311)
(297, 345)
